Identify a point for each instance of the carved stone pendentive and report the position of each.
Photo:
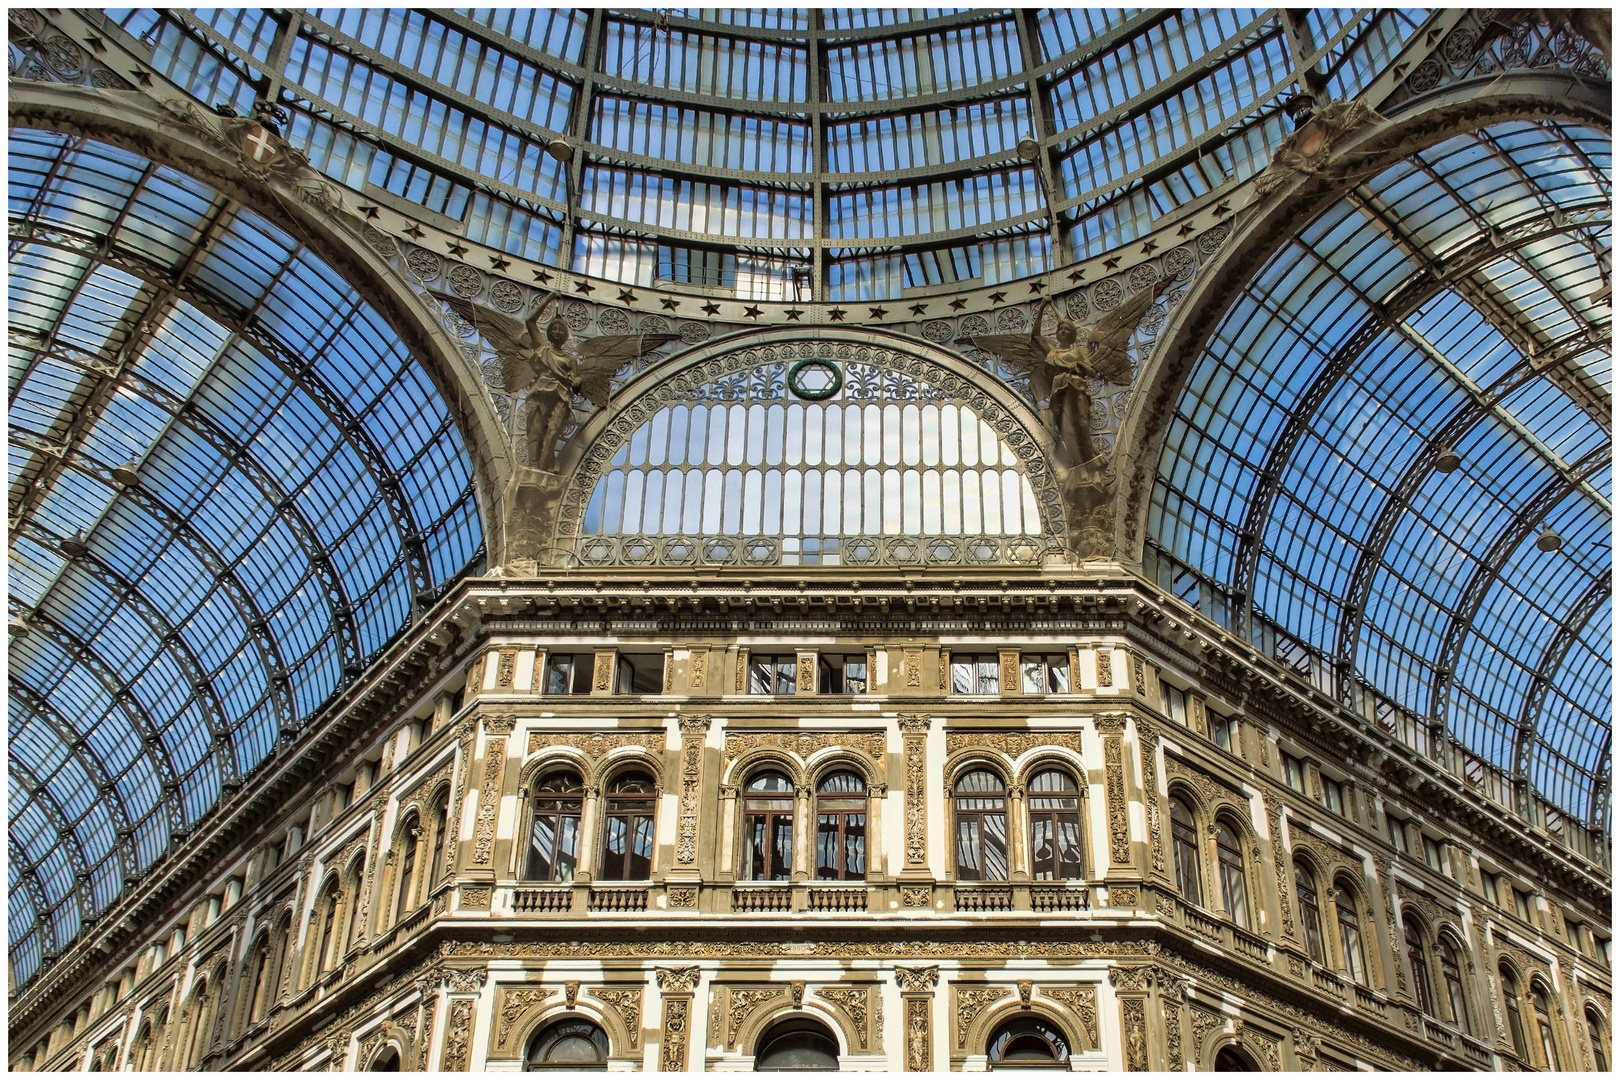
(1012, 743)
(803, 743)
(489, 798)
(1203, 1023)
(1119, 830)
(515, 1003)
(1148, 739)
(593, 744)
(1082, 1002)
(743, 1003)
(914, 736)
(627, 1004)
(693, 729)
(458, 1036)
(970, 1002)
(853, 1003)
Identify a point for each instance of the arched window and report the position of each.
(1234, 891)
(797, 1044)
(326, 944)
(259, 986)
(768, 828)
(559, 800)
(573, 1045)
(841, 827)
(1310, 914)
(1184, 839)
(1595, 1035)
(981, 827)
(441, 829)
(1027, 1042)
(627, 829)
(1451, 974)
(1417, 957)
(357, 883)
(386, 1061)
(1510, 1006)
(410, 837)
(202, 1020)
(284, 958)
(138, 1051)
(1231, 1059)
(1055, 837)
(1344, 904)
(1544, 1027)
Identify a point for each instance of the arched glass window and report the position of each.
(1310, 914)
(559, 800)
(386, 1061)
(1510, 1006)
(259, 987)
(797, 1044)
(1027, 1042)
(768, 828)
(981, 827)
(441, 829)
(841, 827)
(1231, 1059)
(1418, 959)
(1055, 836)
(572, 1044)
(1595, 1036)
(886, 460)
(1544, 1027)
(1234, 890)
(627, 829)
(1344, 904)
(410, 837)
(1451, 973)
(328, 916)
(357, 884)
(1184, 839)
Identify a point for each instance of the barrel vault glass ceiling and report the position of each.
(298, 492)
(301, 490)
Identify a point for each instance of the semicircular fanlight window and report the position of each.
(852, 463)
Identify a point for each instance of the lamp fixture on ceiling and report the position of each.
(1448, 461)
(126, 473)
(76, 546)
(1028, 148)
(1549, 540)
(561, 150)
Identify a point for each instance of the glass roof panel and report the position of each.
(196, 589)
(1356, 498)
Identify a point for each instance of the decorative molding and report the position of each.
(915, 739)
(499, 723)
(911, 668)
(466, 736)
(919, 1042)
(697, 669)
(970, 1002)
(740, 1004)
(1105, 666)
(678, 980)
(693, 730)
(514, 1003)
(852, 1002)
(1119, 830)
(804, 743)
(1203, 1022)
(916, 896)
(914, 723)
(1009, 671)
(1131, 979)
(677, 1014)
(917, 980)
(1082, 1002)
(593, 744)
(1026, 987)
(1279, 860)
(1123, 896)
(458, 1036)
(489, 801)
(1175, 1061)
(474, 897)
(682, 896)
(1147, 739)
(807, 673)
(602, 676)
(1012, 743)
(626, 1004)
(881, 949)
(1133, 1023)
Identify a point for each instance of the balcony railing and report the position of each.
(1370, 1002)
(1438, 1034)
(839, 898)
(1043, 898)
(1327, 982)
(1203, 925)
(1251, 946)
(619, 899)
(984, 898)
(761, 898)
(549, 901)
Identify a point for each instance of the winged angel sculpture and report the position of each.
(1058, 367)
(540, 368)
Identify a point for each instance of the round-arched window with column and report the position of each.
(1027, 1042)
(573, 1044)
(898, 460)
(797, 1044)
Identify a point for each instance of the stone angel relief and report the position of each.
(543, 369)
(1058, 367)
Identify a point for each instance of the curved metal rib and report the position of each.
(80, 893)
(1552, 658)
